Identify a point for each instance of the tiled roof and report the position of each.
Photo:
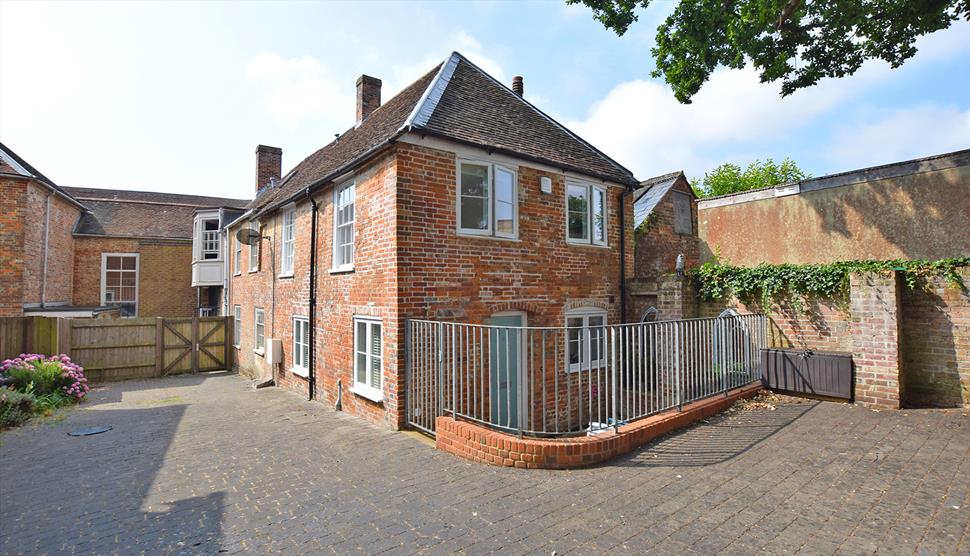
(456, 101)
(142, 214)
(652, 190)
(383, 124)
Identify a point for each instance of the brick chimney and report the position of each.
(269, 163)
(368, 96)
(517, 86)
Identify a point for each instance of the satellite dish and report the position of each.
(247, 236)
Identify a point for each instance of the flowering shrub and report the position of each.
(15, 407)
(42, 376)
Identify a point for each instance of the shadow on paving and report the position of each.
(92, 490)
(716, 440)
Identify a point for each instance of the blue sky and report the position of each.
(176, 96)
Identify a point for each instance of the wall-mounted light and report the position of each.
(545, 184)
(680, 265)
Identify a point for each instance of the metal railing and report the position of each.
(560, 381)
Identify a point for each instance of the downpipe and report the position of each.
(312, 374)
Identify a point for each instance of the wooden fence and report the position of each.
(118, 349)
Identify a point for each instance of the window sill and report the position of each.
(237, 273)
(236, 346)
(572, 243)
(372, 394)
(342, 270)
(300, 371)
(259, 351)
(286, 275)
(253, 270)
(499, 238)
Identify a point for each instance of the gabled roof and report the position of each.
(456, 101)
(142, 214)
(650, 193)
(11, 164)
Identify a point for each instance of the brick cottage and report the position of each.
(85, 252)
(457, 199)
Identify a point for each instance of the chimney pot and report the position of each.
(517, 86)
(368, 96)
(269, 164)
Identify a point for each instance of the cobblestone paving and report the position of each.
(206, 465)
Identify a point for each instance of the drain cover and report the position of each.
(88, 431)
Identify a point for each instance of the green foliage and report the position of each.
(730, 178)
(794, 41)
(774, 283)
(42, 377)
(15, 407)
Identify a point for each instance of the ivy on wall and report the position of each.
(775, 283)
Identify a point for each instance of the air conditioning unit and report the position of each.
(274, 350)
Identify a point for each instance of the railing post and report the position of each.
(679, 371)
(441, 369)
(454, 371)
(616, 414)
(407, 372)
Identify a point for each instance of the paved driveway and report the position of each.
(206, 465)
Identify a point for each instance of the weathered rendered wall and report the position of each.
(925, 215)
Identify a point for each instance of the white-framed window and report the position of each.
(585, 213)
(254, 248)
(259, 330)
(487, 202)
(119, 282)
(237, 258)
(210, 239)
(344, 197)
(368, 358)
(301, 346)
(586, 339)
(288, 241)
(236, 325)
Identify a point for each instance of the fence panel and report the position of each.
(561, 381)
(114, 349)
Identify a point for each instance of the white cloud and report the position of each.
(298, 89)
(921, 130)
(642, 125)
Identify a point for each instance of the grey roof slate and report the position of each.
(652, 190)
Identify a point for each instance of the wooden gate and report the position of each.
(192, 345)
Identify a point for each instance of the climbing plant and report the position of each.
(775, 283)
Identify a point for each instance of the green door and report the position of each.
(504, 361)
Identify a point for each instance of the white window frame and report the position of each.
(491, 229)
(254, 247)
(591, 190)
(366, 389)
(344, 266)
(585, 364)
(259, 320)
(203, 233)
(104, 278)
(288, 241)
(301, 350)
(236, 325)
(237, 258)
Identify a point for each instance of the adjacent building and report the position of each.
(87, 252)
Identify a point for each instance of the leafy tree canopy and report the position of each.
(796, 41)
(730, 178)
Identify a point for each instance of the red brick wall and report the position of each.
(409, 261)
(164, 274)
(13, 194)
(367, 291)
(60, 256)
(936, 344)
(875, 336)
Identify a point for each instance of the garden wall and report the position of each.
(911, 347)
